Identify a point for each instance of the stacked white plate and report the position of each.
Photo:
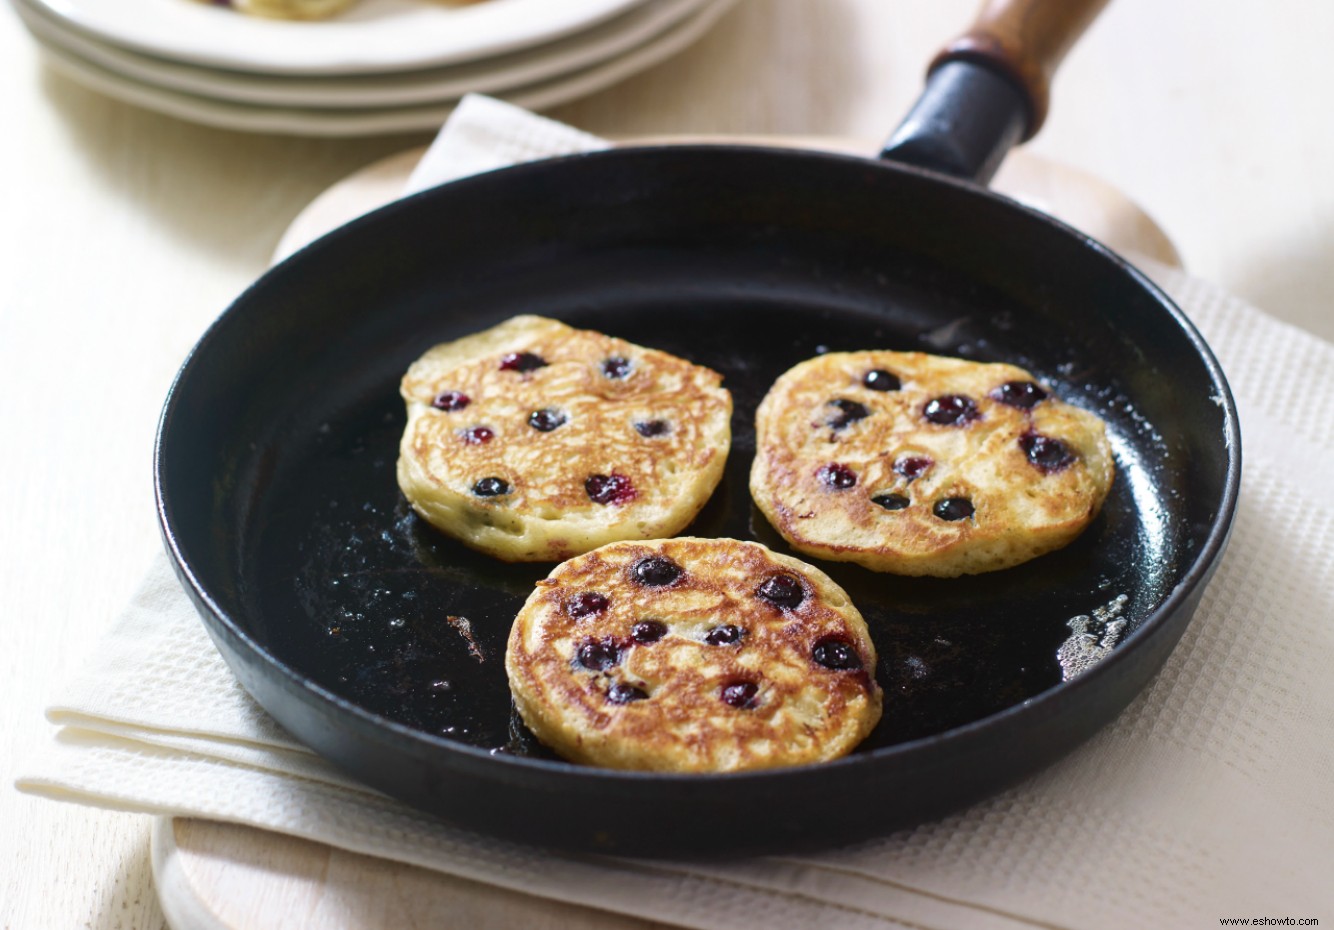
(383, 66)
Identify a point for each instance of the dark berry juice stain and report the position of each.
(621, 693)
(844, 413)
(585, 604)
(345, 584)
(913, 467)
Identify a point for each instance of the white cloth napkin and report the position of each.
(1212, 796)
(484, 133)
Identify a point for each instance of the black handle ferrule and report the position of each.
(966, 120)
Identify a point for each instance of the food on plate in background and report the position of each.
(301, 9)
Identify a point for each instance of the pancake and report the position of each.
(291, 9)
(923, 465)
(533, 441)
(692, 655)
(304, 9)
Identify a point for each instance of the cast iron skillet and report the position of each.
(338, 609)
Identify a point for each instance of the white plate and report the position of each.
(375, 35)
(603, 42)
(362, 122)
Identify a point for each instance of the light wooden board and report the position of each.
(213, 876)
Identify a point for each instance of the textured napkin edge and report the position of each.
(1266, 422)
(137, 649)
(485, 134)
(299, 762)
(640, 888)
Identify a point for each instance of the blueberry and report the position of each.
(836, 653)
(953, 508)
(1045, 452)
(836, 477)
(951, 410)
(450, 401)
(616, 367)
(724, 635)
(783, 591)
(881, 380)
(891, 501)
(598, 655)
(655, 571)
(522, 362)
(740, 694)
(648, 631)
(546, 419)
(609, 489)
(1022, 394)
(491, 487)
(651, 428)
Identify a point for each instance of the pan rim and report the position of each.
(1046, 702)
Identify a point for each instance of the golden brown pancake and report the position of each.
(291, 9)
(533, 441)
(922, 465)
(692, 655)
(307, 9)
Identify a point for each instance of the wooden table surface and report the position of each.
(123, 233)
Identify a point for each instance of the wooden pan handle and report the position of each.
(1025, 41)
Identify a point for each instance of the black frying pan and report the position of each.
(332, 602)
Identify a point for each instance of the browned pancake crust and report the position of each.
(801, 711)
(1021, 510)
(291, 9)
(547, 512)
